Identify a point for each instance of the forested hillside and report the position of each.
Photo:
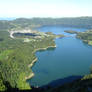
(85, 22)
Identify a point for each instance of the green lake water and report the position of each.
(70, 57)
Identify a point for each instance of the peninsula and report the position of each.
(17, 54)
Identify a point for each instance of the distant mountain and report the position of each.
(80, 22)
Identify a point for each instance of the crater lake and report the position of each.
(71, 57)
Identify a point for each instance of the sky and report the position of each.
(45, 8)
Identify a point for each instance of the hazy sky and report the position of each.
(45, 8)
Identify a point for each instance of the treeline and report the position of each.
(80, 22)
(15, 56)
(5, 25)
(85, 22)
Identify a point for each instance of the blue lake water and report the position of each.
(70, 57)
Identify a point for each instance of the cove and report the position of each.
(70, 57)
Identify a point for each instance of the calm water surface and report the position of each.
(70, 57)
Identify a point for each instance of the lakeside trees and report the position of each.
(16, 55)
(86, 36)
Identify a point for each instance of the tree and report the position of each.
(2, 86)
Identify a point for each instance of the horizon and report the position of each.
(13, 18)
(46, 8)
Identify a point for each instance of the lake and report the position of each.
(70, 57)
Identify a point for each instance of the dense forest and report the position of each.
(16, 56)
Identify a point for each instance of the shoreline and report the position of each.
(30, 76)
(44, 48)
(30, 65)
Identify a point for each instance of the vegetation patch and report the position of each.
(86, 36)
(17, 54)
